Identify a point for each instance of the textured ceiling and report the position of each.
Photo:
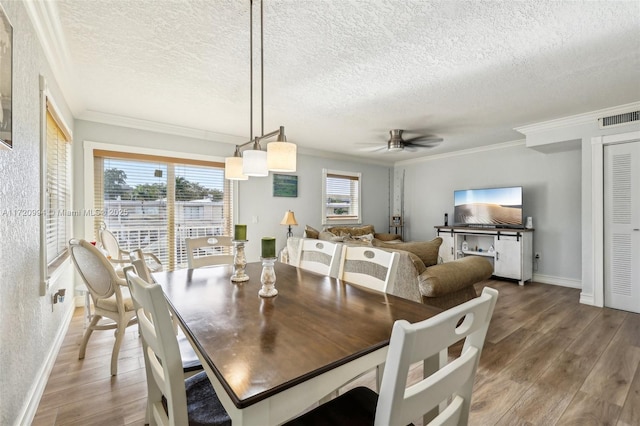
(340, 73)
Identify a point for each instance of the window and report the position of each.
(57, 192)
(154, 203)
(341, 197)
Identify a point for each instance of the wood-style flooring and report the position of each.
(547, 360)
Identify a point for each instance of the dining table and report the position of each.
(269, 359)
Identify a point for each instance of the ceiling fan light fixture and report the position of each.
(395, 145)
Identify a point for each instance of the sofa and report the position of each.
(354, 234)
(420, 277)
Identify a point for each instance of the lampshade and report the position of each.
(233, 169)
(281, 156)
(254, 163)
(289, 218)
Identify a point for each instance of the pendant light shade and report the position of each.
(281, 155)
(254, 163)
(233, 169)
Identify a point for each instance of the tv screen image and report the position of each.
(488, 207)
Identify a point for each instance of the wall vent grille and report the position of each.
(619, 119)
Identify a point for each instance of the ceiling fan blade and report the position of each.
(423, 139)
(376, 148)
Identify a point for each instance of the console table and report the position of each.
(509, 250)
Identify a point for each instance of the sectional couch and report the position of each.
(419, 276)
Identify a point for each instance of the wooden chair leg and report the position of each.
(122, 326)
(87, 334)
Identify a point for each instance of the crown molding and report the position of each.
(154, 126)
(46, 23)
(341, 156)
(503, 145)
(576, 120)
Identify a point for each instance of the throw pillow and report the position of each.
(427, 251)
(365, 238)
(329, 236)
(353, 231)
(309, 232)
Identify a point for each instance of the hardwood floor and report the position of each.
(547, 360)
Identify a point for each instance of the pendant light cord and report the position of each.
(261, 68)
(250, 69)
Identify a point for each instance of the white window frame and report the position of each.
(88, 161)
(50, 271)
(334, 220)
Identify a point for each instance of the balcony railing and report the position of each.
(153, 239)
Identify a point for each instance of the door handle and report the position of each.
(636, 229)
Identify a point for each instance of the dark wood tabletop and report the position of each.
(260, 346)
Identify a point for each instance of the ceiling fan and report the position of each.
(397, 143)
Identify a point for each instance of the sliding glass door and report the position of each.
(154, 203)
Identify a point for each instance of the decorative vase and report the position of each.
(239, 262)
(268, 278)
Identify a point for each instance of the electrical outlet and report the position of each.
(538, 256)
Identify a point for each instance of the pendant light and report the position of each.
(280, 155)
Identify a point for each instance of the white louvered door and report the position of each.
(622, 226)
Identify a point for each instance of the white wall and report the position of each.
(30, 323)
(256, 198)
(552, 196)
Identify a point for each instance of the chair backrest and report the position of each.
(410, 343)
(95, 269)
(209, 251)
(369, 267)
(110, 244)
(161, 352)
(319, 256)
(140, 265)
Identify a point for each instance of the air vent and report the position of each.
(620, 119)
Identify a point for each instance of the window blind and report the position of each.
(341, 197)
(154, 203)
(58, 195)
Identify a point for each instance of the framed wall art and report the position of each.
(285, 185)
(6, 79)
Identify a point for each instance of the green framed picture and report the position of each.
(285, 185)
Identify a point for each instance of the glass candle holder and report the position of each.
(239, 262)
(268, 278)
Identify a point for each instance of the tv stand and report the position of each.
(510, 250)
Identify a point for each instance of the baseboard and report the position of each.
(563, 282)
(587, 299)
(34, 395)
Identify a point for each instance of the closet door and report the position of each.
(622, 226)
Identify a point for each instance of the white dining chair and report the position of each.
(109, 294)
(369, 267)
(322, 257)
(190, 362)
(121, 258)
(450, 387)
(207, 251)
(190, 401)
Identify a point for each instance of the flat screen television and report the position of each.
(490, 207)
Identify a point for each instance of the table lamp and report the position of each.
(290, 220)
